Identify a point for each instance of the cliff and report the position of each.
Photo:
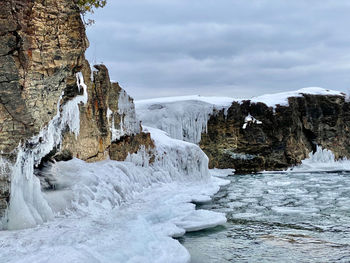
(253, 137)
(51, 105)
(270, 132)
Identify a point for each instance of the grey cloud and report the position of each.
(226, 47)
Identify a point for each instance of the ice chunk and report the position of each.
(201, 219)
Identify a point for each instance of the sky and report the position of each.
(235, 48)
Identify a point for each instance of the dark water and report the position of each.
(278, 218)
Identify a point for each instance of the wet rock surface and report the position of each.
(279, 137)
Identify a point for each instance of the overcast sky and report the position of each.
(237, 48)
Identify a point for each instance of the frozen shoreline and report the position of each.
(138, 230)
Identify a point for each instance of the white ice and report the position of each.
(221, 172)
(129, 124)
(322, 160)
(121, 211)
(27, 205)
(249, 119)
(184, 118)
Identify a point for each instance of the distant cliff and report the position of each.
(252, 137)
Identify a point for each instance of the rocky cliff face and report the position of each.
(254, 137)
(42, 46)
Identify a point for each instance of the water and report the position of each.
(302, 217)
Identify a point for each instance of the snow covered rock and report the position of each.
(274, 132)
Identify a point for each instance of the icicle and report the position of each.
(27, 204)
(128, 122)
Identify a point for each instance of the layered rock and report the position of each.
(108, 115)
(253, 137)
(42, 46)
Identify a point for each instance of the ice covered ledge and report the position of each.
(269, 132)
(111, 208)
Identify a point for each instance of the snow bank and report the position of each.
(322, 160)
(121, 211)
(271, 100)
(183, 118)
(27, 205)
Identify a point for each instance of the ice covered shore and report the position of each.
(121, 211)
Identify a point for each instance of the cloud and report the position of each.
(233, 48)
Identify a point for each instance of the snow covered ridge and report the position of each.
(272, 100)
(186, 117)
(27, 205)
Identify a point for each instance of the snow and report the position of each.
(271, 100)
(128, 211)
(28, 206)
(250, 119)
(184, 118)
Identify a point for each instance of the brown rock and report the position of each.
(285, 136)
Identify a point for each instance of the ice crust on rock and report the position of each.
(184, 118)
(128, 124)
(322, 160)
(27, 205)
(250, 119)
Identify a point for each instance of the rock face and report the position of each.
(105, 118)
(253, 137)
(42, 47)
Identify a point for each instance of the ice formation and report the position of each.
(128, 124)
(122, 211)
(322, 160)
(183, 118)
(27, 204)
(250, 119)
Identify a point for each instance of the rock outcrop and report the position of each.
(42, 47)
(253, 137)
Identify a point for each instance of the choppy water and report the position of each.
(278, 218)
